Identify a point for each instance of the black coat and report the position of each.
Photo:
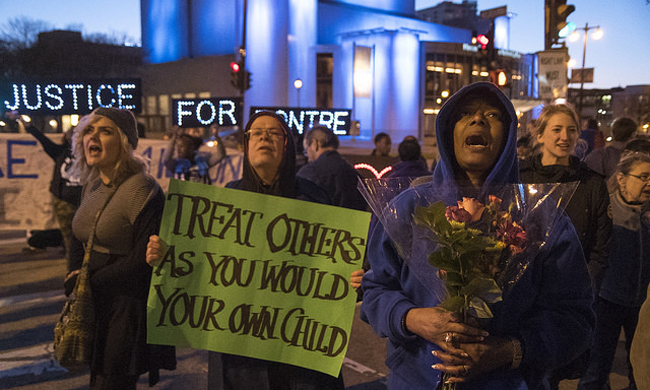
(337, 177)
(587, 208)
(120, 285)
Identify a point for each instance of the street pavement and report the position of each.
(31, 299)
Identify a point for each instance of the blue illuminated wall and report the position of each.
(219, 19)
(164, 30)
(175, 29)
(283, 37)
(406, 7)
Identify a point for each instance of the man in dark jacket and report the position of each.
(65, 189)
(604, 160)
(411, 162)
(329, 170)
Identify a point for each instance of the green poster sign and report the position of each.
(256, 275)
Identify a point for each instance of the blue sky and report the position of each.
(620, 58)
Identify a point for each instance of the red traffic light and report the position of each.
(234, 67)
(482, 40)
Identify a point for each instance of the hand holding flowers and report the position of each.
(475, 242)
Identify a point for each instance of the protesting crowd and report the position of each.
(504, 262)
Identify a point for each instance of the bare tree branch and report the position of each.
(22, 32)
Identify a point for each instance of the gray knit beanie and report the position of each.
(124, 119)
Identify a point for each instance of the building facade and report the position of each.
(376, 58)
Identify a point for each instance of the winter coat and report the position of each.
(640, 350)
(119, 275)
(415, 168)
(64, 187)
(548, 309)
(605, 160)
(628, 275)
(337, 177)
(587, 209)
(245, 372)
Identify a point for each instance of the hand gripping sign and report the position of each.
(256, 275)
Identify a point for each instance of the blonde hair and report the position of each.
(128, 164)
(548, 111)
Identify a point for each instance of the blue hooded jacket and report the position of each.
(548, 308)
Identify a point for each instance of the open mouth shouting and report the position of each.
(93, 150)
(476, 142)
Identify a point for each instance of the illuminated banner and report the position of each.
(70, 96)
(205, 112)
(302, 119)
(256, 275)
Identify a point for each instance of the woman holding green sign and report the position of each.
(269, 168)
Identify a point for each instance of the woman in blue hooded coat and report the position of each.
(545, 318)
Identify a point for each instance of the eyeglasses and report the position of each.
(643, 178)
(271, 133)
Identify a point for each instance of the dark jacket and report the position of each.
(62, 186)
(245, 372)
(587, 209)
(548, 308)
(415, 168)
(628, 275)
(120, 282)
(337, 177)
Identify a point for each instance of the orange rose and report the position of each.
(496, 200)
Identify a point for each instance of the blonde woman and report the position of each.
(130, 203)
(557, 133)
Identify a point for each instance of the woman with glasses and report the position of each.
(557, 131)
(626, 279)
(269, 168)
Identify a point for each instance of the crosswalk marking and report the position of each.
(33, 360)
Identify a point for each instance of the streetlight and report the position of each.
(298, 84)
(596, 35)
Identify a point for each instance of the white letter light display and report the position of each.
(205, 112)
(303, 119)
(68, 97)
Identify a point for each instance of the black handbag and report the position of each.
(75, 330)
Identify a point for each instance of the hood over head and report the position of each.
(285, 182)
(505, 169)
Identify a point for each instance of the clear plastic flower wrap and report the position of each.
(466, 245)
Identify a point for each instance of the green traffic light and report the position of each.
(566, 30)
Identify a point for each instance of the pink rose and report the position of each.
(473, 206)
(454, 213)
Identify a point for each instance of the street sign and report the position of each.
(552, 74)
(577, 75)
(494, 12)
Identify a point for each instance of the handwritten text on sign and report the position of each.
(256, 275)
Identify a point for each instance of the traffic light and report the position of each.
(247, 80)
(482, 41)
(556, 26)
(236, 75)
(240, 78)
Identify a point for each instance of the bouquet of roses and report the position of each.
(466, 246)
(475, 243)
